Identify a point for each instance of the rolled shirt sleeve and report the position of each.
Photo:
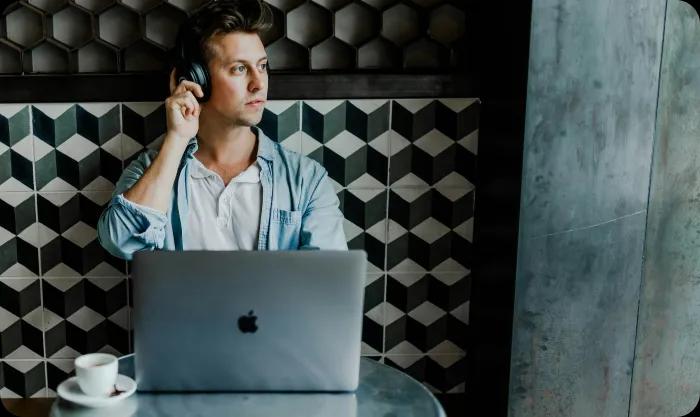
(125, 227)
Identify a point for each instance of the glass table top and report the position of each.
(383, 391)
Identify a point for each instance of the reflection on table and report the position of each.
(383, 391)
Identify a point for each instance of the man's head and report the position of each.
(224, 36)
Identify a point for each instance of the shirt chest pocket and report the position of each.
(286, 217)
(285, 226)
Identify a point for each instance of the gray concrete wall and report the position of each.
(592, 93)
(667, 363)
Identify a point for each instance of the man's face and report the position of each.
(239, 77)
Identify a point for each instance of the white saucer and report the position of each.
(70, 390)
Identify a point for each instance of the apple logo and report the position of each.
(247, 323)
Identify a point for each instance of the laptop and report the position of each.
(253, 321)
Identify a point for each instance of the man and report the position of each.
(217, 182)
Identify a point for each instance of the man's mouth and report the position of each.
(255, 103)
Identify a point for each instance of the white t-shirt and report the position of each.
(223, 218)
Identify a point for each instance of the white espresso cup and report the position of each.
(97, 373)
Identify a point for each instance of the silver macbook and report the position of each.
(248, 320)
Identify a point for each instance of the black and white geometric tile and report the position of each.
(430, 228)
(372, 329)
(85, 315)
(281, 122)
(439, 373)
(433, 142)
(80, 146)
(428, 312)
(21, 319)
(23, 379)
(349, 138)
(365, 222)
(403, 171)
(143, 126)
(68, 235)
(16, 149)
(19, 256)
(57, 371)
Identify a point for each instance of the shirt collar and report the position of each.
(249, 175)
(265, 145)
(198, 169)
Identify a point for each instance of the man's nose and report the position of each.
(257, 81)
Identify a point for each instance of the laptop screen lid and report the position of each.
(248, 320)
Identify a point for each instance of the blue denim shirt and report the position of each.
(300, 209)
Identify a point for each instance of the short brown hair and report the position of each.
(225, 16)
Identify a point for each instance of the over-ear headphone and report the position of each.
(189, 63)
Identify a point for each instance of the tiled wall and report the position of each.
(131, 35)
(403, 170)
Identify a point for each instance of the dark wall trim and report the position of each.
(501, 33)
(154, 87)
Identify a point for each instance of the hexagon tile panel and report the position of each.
(403, 171)
(81, 36)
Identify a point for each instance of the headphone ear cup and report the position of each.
(187, 66)
(200, 75)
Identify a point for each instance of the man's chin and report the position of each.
(248, 119)
(255, 118)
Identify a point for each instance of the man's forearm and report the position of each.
(154, 188)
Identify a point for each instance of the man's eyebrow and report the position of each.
(233, 61)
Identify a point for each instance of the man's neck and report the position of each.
(223, 145)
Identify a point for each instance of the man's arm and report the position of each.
(135, 218)
(154, 188)
(322, 220)
(182, 111)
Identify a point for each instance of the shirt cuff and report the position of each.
(139, 209)
(152, 221)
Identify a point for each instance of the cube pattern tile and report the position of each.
(403, 171)
(440, 373)
(19, 255)
(23, 379)
(20, 319)
(350, 139)
(79, 147)
(68, 235)
(58, 370)
(85, 315)
(16, 149)
(430, 227)
(127, 36)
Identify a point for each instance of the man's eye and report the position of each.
(239, 68)
(264, 66)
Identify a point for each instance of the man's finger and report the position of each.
(186, 85)
(188, 104)
(199, 92)
(172, 81)
(194, 104)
